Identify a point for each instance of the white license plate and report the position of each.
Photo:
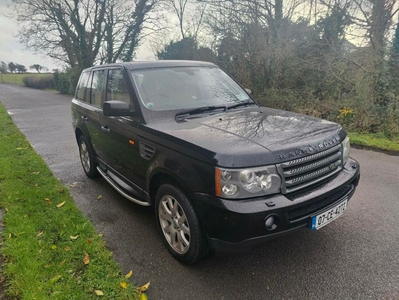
(329, 215)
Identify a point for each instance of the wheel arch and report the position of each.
(160, 177)
(78, 134)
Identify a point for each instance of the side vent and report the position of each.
(146, 151)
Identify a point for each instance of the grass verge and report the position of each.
(373, 141)
(50, 251)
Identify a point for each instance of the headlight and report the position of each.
(245, 183)
(346, 148)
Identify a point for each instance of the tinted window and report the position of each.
(116, 86)
(97, 88)
(80, 91)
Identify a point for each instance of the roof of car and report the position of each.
(158, 64)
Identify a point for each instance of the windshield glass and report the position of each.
(186, 87)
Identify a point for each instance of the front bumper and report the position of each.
(234, 225)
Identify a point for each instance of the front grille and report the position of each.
(304, 172)
(309, 209)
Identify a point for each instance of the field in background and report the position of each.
(17, 78)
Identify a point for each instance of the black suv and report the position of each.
(221, 171)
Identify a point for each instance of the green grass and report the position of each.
(374, 141)
(45, 237)
(17, 78)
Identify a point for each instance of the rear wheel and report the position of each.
(179, 225)
(87, 159)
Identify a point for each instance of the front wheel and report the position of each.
(87, 159)
(179, 225)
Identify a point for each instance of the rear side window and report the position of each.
(81, 90)
(116, 86)
(97, 88)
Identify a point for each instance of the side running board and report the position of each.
(119, 190)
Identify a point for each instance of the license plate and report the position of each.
(329, 215)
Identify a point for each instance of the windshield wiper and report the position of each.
(241, 104)
(189, 112)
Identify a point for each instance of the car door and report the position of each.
(80, 103)
(95, 96)
(122, 151)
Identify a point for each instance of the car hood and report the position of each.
(251, 137)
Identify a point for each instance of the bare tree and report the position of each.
(12, 67)
(20, 68)
(77, 32)
(3, 67)
(190, 15)
(36, 67)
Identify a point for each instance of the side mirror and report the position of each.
(116, 108)
(248, 91)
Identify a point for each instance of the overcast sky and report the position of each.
(12, 50)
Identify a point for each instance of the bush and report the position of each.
(61, 80)
(355, 114)
(66, 81)
(63, 83)
(42, 82)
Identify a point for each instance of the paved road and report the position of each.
(355, 257)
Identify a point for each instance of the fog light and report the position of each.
(271, 222)
(229, 189)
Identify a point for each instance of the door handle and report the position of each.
(84, 118)
(105, 129)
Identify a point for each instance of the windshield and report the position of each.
(186, 87)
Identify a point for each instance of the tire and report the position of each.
(179, 225)
(87, 158)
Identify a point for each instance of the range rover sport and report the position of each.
(220, 171)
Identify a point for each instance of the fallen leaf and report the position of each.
(60, 204)
(6, 209)
(20, 148)
(89, 241)
(63, 262)
(36, 173)
(73, 237)
(47, 266)
(73, 184)
(9, 235)
(48, 200)
(100, 234)
(128, 275)
(99, 293)
(144, 287)
(86, 260)
(53, 247)
(40, 233)
(67, 248)
(60, 190)
(143, 296)
(100, 197)
(123, 285)
(55, 278)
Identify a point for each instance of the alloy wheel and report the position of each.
(85, 156)
(174, 224)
